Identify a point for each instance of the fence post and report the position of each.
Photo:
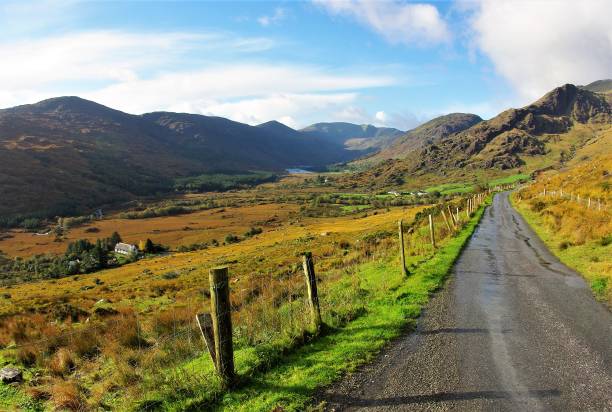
(204, 321)
(402, 253)
(431, 232)
(450, 213)
(458, 215)
(589, 205)
(313, 295)
(450, 229)
(222, 324)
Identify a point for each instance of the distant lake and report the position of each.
(297, 171)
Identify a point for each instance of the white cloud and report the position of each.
(294, 110)
(278, 15)
(142, 72)
(398, 120)
(539, 45)
(397, 22)
(381, 117)
(197, 89)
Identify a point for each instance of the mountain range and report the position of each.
(539, 135)
(66, 155)
(69, 155)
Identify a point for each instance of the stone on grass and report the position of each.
(10, 375)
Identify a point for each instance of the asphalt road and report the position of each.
(512, 330)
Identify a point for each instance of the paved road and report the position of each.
(512, 330)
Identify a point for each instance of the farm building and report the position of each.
(125, 249)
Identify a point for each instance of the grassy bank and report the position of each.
(384, 303)
(590, 257)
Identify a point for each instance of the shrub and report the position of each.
(606, 240)
(66, 395)
(538, 206)
(231, 239)
(253, 231)
(62, 363)
(27, 356)
(85, 343)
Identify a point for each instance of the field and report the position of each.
(102, 340)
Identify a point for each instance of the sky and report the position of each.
(384, 62)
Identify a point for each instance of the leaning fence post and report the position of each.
(222, 324)
(401, 242)
(313, 295)
(450, 229)
(205, 324)
(431, 232)
(452, 217)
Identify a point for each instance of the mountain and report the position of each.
(67, 155)
(426, 134)
(599, 86)
(353, 136)
(545, 133)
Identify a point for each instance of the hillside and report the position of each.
(353, 136)
(68, 155)
(543, 134)
(599, 86)
(428, 133)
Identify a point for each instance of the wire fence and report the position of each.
(265, 308)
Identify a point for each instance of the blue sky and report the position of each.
(391, 63)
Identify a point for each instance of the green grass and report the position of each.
(451, 188)
(354, 208)
(12, 398)
(509, 179)
(589, 259)
(268, 378)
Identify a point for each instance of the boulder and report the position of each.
(10, 375)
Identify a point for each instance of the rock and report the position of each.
(10, 375)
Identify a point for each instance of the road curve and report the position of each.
(513, 329)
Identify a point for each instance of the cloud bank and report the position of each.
(539, 45)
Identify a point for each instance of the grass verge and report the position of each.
(269, 379)
(589, 258)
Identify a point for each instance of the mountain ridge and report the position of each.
(66, 155)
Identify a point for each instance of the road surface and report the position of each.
(512, 330)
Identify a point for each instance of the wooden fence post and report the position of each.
(402, 253)
(589, 204)
(313, 295)
(450, 213)
(222, 324)
(431, 232)
(204, 321)
(458, 215)
(450, 229)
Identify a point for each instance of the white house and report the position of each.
(125, 249)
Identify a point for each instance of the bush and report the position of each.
(538, 206)
(231, 239)
(62, 363)
(606, 240)
(253, 231)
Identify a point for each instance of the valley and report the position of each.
(123, 336)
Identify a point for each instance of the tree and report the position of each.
(150, 246)
(114, 239)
